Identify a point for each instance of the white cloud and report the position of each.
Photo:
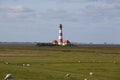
(58, 15)
(104, 6)
(18, 8)
(15, 11)
(96, 10)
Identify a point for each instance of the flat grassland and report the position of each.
(52, 63)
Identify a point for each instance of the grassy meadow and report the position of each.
(52, 63)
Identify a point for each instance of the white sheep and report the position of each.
(86, 79)
(23, 64)
(28, 64)
(68, 75)
(8, 77)
(91, 73)
(6, 62)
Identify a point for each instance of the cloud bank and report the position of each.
(95, 10)
(17, 11)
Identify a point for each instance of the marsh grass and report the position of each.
(52, 63)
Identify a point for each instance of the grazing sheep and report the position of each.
(91, 73)
(6, 62)
(68, 75)
(86, 79)
(8, 77)
(23, 64)
(28, 64)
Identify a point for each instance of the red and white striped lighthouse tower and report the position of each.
(60, 41)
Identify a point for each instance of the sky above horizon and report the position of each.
(83, 21)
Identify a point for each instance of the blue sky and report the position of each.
(84, 21)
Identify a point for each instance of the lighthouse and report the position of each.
(60, 38)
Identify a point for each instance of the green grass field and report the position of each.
(52, 63)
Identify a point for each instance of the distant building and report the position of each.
(54, 42)
(60, 38)
(66, 42)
